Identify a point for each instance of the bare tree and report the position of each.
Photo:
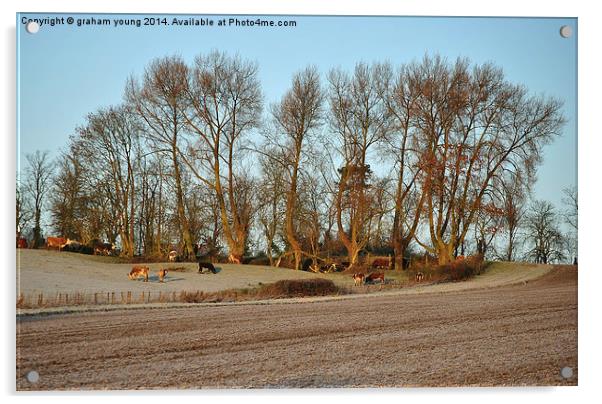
(379, 210)
(544, 238)
(400, 93)
(153, 205)
(37, 185)
(571, 216)
(159, 100)
(68, 199)
(296, 116)
(473, 126)
(108, 144)
(311, 212)
(23, 210)
(272, 200)
(223, 103)
(359, 119)
(487, 225)
(512, 195)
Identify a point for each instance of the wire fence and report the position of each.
(41, 300)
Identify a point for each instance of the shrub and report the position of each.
(280, 289)
(299, 288)
(461, 269)
(457, 270)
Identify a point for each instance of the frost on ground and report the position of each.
(52, 272)
(519, 334)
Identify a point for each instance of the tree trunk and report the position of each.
(182, 220)
(399, 248)
(445, 253)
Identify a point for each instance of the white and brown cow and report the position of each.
(139, 271)
(358, 279)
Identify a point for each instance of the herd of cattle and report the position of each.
(377, 264)
(142, 271)
(374, 277)
(97, 247)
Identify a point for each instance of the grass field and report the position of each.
(49, 279)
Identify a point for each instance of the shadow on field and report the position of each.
(155, 278)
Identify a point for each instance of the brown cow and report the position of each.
(162, 273)
(358, 279)
(137, 272)
(375, 276)
(56, 242)
(172, 256)
(232, 259)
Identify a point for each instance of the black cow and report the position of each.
(206, 265)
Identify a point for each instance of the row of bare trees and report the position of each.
(431, 152)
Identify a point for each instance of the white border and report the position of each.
(589, 183)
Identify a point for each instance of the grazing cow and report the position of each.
(162, 273)
(206, 265)
(375, 276)
(56, 242)
(419, 276)
(358, 279)
(382, 263)
(233, 260)
(137, 272)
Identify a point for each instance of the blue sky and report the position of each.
(65, 72)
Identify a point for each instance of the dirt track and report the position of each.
(511, 335)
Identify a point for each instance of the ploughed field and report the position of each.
(514, 334)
